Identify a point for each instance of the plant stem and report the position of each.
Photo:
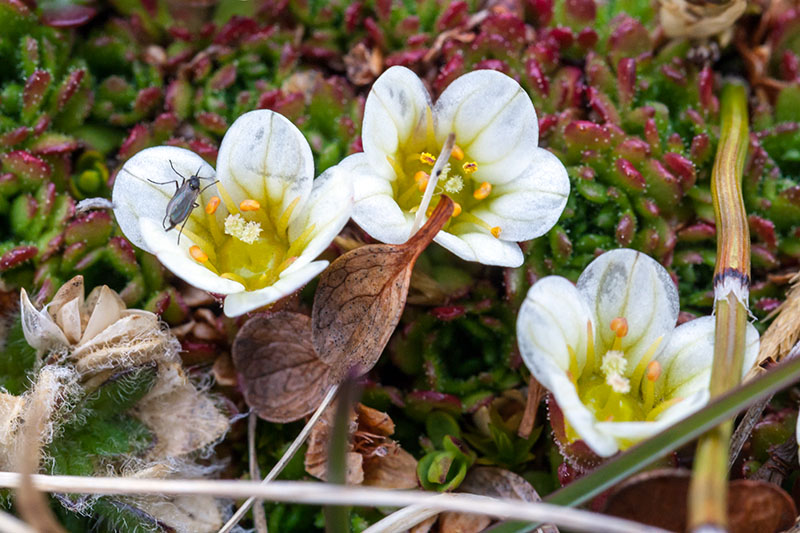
(337, 518)
(709, 487)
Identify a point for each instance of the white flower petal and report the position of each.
(530, 205)
(552, 317)
(328, 209)
(264, 157)
(481, 247)
(243, 302)
(626, 283)
(627, 432)
(394, 114)
(38, 327)
(176, 258)
(134, 197)
(494, 122)
(375, 208)
(686, 361)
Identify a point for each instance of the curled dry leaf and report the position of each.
(373, 458)
(658, 498)
(281, 376)
(361, 296)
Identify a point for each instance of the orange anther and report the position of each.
(198, 254)
(470, 167)
(212, 205)
(249, 205)
(619, 326)
(421, 175)
(423, 183)
(457, 153)
(456, 209)
(653, 370)
(483, 191)
(496, 232)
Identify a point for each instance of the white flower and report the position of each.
(506, 188)
(256, 232)
(610, 354)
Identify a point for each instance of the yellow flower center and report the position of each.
(608, 388)
(250, 246)
(414, 167)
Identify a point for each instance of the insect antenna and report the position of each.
(176, 172)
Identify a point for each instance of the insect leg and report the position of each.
(166, 183)
(181, 230)
(207, 186)
(164, 222)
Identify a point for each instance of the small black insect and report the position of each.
(182, 203)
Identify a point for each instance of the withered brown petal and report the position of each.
(281, 376)
(361, 296)
(658, 498)
(395, 470)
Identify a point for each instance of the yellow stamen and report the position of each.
(663, 406)
(483, 191)
(427, 158)
(456, 209)
(249, 205)
(469, 217)
(398, 169)
(216, 234)
(198, 254)
(212, 205)
(469, 168)
(233, 277)
(457, 153)
(226, 199)
(495, 232)
(589, 346)
(301, 241)
(288, 261)
(638, 373)
(283, 222)
(653, 373)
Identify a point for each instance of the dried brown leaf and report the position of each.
(395, 470)
(658, 498)
(281, 375)
(361, 296)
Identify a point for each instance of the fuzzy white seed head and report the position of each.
(237, 226)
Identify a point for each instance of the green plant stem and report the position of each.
(709, 487)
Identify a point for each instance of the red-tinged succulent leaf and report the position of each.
(26, 165)
(53, 143)
(138, 139)
(68, 87)
(361, 296)
(60, 15)
(17, 256)
(93, 229)
(35, 89)
(14, 137)
(280, 374)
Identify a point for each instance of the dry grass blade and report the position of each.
(361, 296)
(783, 333)
(304, 492)
(282, 378)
